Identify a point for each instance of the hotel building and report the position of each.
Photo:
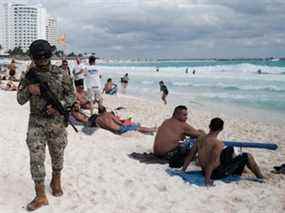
(21, 24)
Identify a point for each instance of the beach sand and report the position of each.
(99, 176)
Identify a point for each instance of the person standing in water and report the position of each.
(124, 82)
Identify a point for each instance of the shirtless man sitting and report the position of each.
(169, 138)
(110, 88)
(81, 95)
(216, 161)
(107, 120)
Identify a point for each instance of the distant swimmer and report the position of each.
(193, 72)
(157, 69)
(259, 71)
(164, 91)
(187, 70)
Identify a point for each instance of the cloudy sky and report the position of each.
(172, 28)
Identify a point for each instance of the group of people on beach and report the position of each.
(47, 125)
(172, 142)
(50, 91)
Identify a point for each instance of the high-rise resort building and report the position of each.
(51, 30)
(21, 24)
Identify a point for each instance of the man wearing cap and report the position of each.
(46, 125)
(93, 82)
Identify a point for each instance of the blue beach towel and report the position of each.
(88, 130)
(197, 178)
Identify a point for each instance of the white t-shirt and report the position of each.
(76, 71)
(92, 77)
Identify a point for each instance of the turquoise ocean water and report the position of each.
(232, 86)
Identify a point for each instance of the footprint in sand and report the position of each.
(161, 188)
(129, 183)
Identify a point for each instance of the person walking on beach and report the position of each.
(93, 83)
(216, 161)
(170, 140)
(164, 91)
(46, 125)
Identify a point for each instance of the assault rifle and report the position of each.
(48, 95)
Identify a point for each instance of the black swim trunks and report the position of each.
(92, 120)
(177, 156)
(229, 165)
(164, 89)
(124, 80)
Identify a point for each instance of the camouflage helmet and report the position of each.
(41, 48)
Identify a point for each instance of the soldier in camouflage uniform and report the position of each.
(46, 125)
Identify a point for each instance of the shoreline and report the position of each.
(231, 111)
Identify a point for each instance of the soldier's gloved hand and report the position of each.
(51, 110)
(34, 89)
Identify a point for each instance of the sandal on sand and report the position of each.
(279, 169)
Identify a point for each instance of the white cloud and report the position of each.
(172, 28)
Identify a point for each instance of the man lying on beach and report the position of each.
(170, 140)
(81, 95)
(216, 161)
(107, 120)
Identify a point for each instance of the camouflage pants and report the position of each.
(40, 133)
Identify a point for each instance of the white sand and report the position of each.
(100, 177)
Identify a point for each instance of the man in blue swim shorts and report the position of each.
(107, 120)
(127, 128)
